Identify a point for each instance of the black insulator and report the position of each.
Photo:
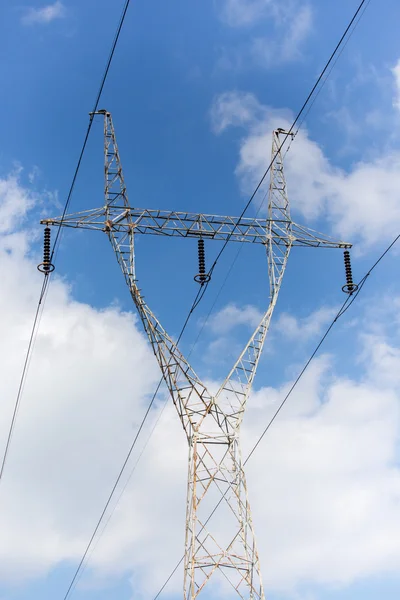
(202, 255)
(202, 277)
(46, 266)
(350, 286)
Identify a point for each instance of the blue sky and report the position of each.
(195, 90)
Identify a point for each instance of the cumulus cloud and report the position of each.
(328, 483)
(362, 204)
(396, 76)
(239, 13)
(232, 316)
(242, 109)
(291, 23)
(79, 409)
(324, 485)
(304, 328)
(14, 202)
(45, 14)
(286, 47)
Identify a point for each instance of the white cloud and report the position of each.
(232, 316)
(331, 472)
(396, 76)
(304, 328)
(362, 204)
(240, 109)
(291, 23)
(324, 485)
(14, 202)
(284, 48)
(233, 109)
(299, 30)
(44, 15)
(384, 357)
(239, 13)
(79, 409)
(222, 351)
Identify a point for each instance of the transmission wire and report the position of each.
(358, 14)
(287, 135)
(202, 290)
(122, 491)
(346, 304)
(361, 14)
(46, 280)
(121, 471)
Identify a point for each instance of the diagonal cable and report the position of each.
(46, 281)
(203, 288)
(346, 304)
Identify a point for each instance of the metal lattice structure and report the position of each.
(216, 541)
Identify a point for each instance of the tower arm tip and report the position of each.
(88, 219)
(305, 236)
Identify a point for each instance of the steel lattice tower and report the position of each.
(220, 540)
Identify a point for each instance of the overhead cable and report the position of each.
(203, 288)
(80, 565)
(345, 306)
(287, 134)
(46, 279)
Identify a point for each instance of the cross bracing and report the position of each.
(194, 225)
(211, 421)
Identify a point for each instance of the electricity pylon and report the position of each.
(220, 541)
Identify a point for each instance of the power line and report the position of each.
(124, 488)
(24, 371)
(46, 280)
(121, 471)
(200, 294)
(94, 109)
(337, 52)
(287, 135)
(359, 16)
(79, 567)
(345, 306)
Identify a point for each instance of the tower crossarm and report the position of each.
(195, 225)
(193, 402)
(216, 545)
